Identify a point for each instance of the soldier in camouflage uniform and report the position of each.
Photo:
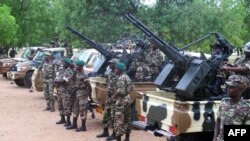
(233, 110)
(122, 119)
(59, 87)
(154, 60)
(81, 103)
(64, 81)
(108, 116)
(48, 78)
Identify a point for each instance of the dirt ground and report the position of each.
(22, 119)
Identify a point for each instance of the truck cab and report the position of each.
(6, 64)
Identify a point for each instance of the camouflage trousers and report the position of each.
(60, 100)
(73, 98)
(122, 119)
(48, 93)
(81, 105)
(67, 101)
(109, 111)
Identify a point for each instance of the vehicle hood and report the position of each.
(8, 60)
(28, 63)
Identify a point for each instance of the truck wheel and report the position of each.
(19, 83)
(5, 75)
(38, 82)
(27, 80)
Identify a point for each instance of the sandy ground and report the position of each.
(22, 119)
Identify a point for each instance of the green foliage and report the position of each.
(8, 27)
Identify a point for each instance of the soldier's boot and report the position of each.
(74, 125)
(127, 137)
(83, 127)
(62, 120)
(118, 138)
(105, 133)
(112, 137)
(68, 123)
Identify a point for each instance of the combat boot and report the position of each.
(118, 138)
(83, 127)
(112, 137)
(74, 125)
(105, 133)
(61, 121)
(127, 137)
(68, 123)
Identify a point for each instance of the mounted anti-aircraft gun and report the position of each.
(188, 77)
(102, 61)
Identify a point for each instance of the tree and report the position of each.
(8, 27)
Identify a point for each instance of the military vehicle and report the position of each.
(22, 72)
(6, 64)
(185, 108)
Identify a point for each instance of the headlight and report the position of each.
(6, 64)
(21, 68)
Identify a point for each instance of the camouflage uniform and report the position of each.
(72, 84)
(244, 62)
(108, 117)
(142, 71)
(154, 60)
(81, 103)
(233, 114)
(48, 78)
(122, 120)
(67, 99)
(59, 87)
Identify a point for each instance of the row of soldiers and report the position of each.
(74, 90)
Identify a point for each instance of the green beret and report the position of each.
(47, 53)
(67, 60)
(121, 66)
(80, 63)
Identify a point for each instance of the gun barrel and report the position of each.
(171, 52)
(96, 46)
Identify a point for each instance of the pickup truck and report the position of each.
(6, 64)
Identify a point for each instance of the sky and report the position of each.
(148, 2)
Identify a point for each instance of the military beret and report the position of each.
(67, 60)
(121, 66)
(80, 63)
(47, 53)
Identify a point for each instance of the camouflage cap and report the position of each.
(47, 54)
(67, 60)
(120, 66)
(238, 81)
(114, 60)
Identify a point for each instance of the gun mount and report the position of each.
(188, 77)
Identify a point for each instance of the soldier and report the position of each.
(64, 81)
(122, 119)
(108, 117)
(242, 65)
(81, 103)
(233, 110)
(154, 60)
(142, 71)
(48, 78)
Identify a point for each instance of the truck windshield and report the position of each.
(39, 56)
(26, 52)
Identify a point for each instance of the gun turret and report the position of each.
(182, 75)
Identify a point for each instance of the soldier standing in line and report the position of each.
(81, 103)
(233, 110)
(122, 119)
(59, 87)
(48, 78)
(108, 117)
(64, 82)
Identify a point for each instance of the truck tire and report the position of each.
(19, 83)
(27, 80)
(5, 75)
(133, 112)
